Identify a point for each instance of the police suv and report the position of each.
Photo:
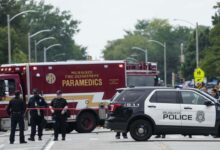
(145, 111)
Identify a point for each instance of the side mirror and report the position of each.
(208, 103)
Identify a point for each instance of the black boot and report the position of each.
(31, 139)
(23, 142)
(124, 135)
(117, 136)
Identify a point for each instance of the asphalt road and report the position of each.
(102, 139)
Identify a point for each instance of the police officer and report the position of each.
(59, 110)
(16, 110)
(215, 94)
(37, 115)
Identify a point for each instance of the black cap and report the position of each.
(17, 93)
(35, 91)
(59, 92)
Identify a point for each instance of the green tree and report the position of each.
(190, 51)
(122, 48)
(3, 45)
(156, 29)
(211, 55)
(8, 7)
(216, 18)
(63, 26)
(19, 56)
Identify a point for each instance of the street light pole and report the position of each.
(29, 41)
(181, 60)
(9, 39)
(45, 59)
(35, 50)
(165, 58)
(29, 48)
(165, 64)
(46, 49)
(145, 52)
(197, 38)
(9, 32)
(37, 43)
(197, 46)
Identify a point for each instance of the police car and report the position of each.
(147, 111)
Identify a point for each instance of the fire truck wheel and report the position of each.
(86, 122)
(141, 130)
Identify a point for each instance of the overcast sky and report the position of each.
(105, 20)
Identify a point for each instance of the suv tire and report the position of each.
(141, 130)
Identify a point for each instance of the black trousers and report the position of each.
(123, 134)
(36, 121)
(17, 119)
(60, 125)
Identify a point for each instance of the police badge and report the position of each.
(200, 116)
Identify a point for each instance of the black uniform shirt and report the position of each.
(37, 102)
(58, 103)
(16, 105)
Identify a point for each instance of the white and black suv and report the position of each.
(147, 111)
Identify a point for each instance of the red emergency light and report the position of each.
(17, 69)
(113, 107)
(120, 65)
(34, 68)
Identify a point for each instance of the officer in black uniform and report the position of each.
(37, 116)
(16, 110)
(59, 110)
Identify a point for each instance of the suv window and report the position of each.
(140, 80)
(115, 96)
(189, 97)
(129, 96)
(164, 97)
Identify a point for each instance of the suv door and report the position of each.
(163, 107)
(199, 115)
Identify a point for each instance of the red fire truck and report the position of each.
(87, 85)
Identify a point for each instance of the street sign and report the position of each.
(199, 75)
(199, 80)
